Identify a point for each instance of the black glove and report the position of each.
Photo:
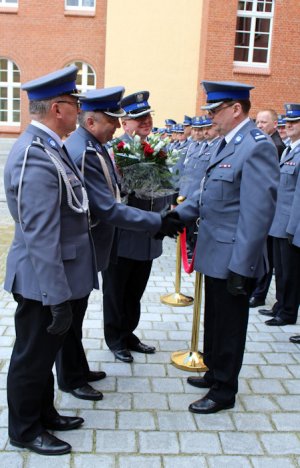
(290, 239)
(62, 318)
(170, 225)
(236, 284)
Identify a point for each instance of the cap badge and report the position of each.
(139, 97)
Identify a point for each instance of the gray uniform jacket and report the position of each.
(289, 172)
(51, 258)
(236, 206)
(106, 213)
(138, 245)
(195, 166)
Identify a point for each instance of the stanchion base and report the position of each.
(177, 300)
(189, 361)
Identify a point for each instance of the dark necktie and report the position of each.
(221, 146)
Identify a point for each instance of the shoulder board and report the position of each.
(90, 147)
(258, 135)
(37, 141)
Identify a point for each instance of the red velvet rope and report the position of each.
(188, 267)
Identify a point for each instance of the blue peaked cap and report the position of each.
(292, 112)
(187, 120)
(201, 121)
(170, 122)
(220, 91)
(281, 121)
(54, 84)
(107, 100)
(135, 105)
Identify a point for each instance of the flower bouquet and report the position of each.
(144, 170)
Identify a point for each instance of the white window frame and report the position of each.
(10, 85)
(84, 73)
(80, 7)
(6, 4)
(254, 15)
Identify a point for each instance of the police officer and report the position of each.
(286, 257)
(236, 207)
(124, 282)
(50, 265)
(267, 120)
(98, 120)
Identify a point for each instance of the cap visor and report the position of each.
(212, 105)
(135, 116)
(117, 113)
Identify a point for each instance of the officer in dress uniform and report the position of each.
(98, 120)
(266, 120)
(286, 257)
(50, 265)
(124, 282)
(281, 129)
(236, 206)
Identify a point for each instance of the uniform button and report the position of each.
(252, 268)
(202, 217)
(44, 294)
(204, 188)
(233, 239)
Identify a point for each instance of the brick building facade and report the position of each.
(39, 37)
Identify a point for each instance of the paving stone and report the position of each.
(240, 443)
(256, 346)
(167, 384)
(264, 386)
(281, 443)
(184, 461)
(149, 370)
(13, 460)
(228, 462)
(252, 422)
(133, 384)
(115, 401)
(272, 462)
(275, 358)
(199, 442)
(275, 372)
(94, 461)
(287, 421)
(176, 421)
(259, 403)
(136, 420)
(250, 371)
(288, 402)
(107, 441)
(295, 370)
(137, 461)
(34, 460)
(98, 419)
(214, 422)
(81, 440)
(116, 368)
(293, 386)
(150, 401)
(158, 442)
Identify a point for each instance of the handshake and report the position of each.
(171, 225)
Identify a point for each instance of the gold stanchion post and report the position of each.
(192, 360)
(177, 299)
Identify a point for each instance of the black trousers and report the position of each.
(30, 382)
(225, 328)
(287, 277)
(262, 285)
(123, 286)
(71, 363)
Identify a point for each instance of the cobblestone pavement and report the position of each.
(143, 419)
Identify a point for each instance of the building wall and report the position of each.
(41, 37)
(278, 84)
(155, 46)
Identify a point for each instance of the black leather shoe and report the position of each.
(93, 376)
(277, 321)
(63, 423)
(198, 382)
(86, 392)
(45, 444)
(267, 312)
(207, 406)
(123, 355)
(143, 348)
(295, 339)
(255, 302)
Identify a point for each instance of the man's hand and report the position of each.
(236, 284)
(170, 225)
(62, 318)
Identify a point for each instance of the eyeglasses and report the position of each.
(75, 103)
(215, 111)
